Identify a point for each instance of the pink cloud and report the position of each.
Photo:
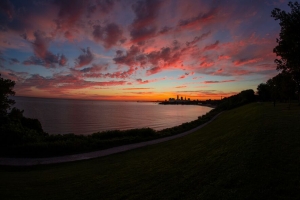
(61, 83)
(212, 46)
(109, 34)
(70, 13)
(181, 86)
(84, 59)
(199, 19)
(137, 88)
(246, 61)
(224, 81)
(140, 81)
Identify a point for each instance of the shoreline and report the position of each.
(95, 154)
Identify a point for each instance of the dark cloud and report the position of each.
(62, 60)
(109, 34)
(143, 25)
(7, 8)
(95, 68)
(165, 29)
(15, 15)
(212, 46)
(33, 60)
(224, 81)
(40, 44)
(69, 35)
(198, 38)
(42, 55)
(143, 33)
(146, 12)
(140, 81)
(49, 60)
(200, 18)
(97, 71)
(13, 61)
(154, 70)
(129, 58)
(70, 12)
(85, 58)
(105, 6)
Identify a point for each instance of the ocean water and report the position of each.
(62, 116)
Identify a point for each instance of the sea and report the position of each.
(84, 117)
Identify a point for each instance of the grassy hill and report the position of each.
(251, 152)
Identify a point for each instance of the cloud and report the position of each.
(129, 58)
(198, 38)
(69, 13)
(13, 61)
(141, 38)
(212, 46)
(33, 60)
(246, 61)
(62, 83)
(224, 81)
(95, 68)
(104, 6)
(140, 81)
(145, 12)
(7, 7)
(84, 59)
(49, 61)
(143, 26)
(99, 71)
(40, 44)
(155, 61)
(185, 75)
(181, 86)
(197, 20)
(137, 88)
(141, 34)
(109, 34)
(62, 60)
(142, 93)
(165, 29)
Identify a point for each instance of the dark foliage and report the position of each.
(244, 97)
(288, 43)
(6, 91)
(264, 92)
(281, 88)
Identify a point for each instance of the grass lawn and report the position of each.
(252, 152)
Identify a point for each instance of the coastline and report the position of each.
(95, 154)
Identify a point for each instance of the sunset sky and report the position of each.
(137, 50)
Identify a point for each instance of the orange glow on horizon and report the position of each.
(151, 97)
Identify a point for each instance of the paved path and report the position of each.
(95, 154)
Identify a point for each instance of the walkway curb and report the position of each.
(95, 154)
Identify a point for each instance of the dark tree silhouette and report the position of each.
(263, 91)
(6, 90)
(288, 43)
(281, 87)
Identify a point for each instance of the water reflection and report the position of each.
(85, 117)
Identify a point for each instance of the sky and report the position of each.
(137, 50)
